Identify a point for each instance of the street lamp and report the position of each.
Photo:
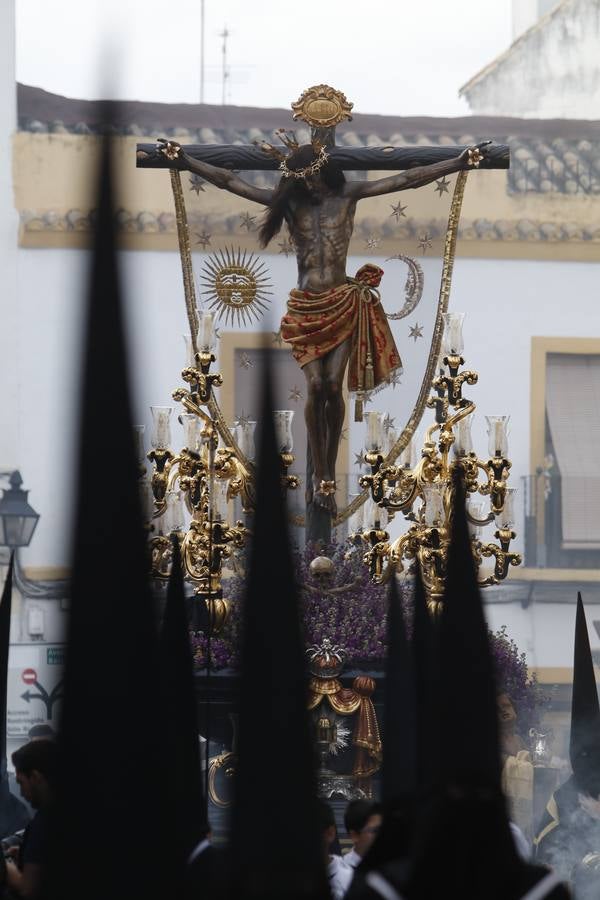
(17, 518)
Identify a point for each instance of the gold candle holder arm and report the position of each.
(504, 558)
(163, 460)
(377, 554)
(200, 378)
(453, 383)
(496, 470)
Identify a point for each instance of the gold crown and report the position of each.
(326, 660)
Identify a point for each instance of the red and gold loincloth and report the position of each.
(315, 324)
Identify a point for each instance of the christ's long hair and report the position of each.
(331, 173)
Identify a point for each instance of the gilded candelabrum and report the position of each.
(448, 444)
(202, 478)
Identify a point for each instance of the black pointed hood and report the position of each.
(465, 829)
(399, 770)
(276, 843)
(184, 772)
(426, 675)
(111, 809)
(5, 609)
(13, 813)
(464, 845)
(471, 756)
(400, 746)
(584, 747)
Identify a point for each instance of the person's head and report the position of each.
(586, 774)
(36, 769)
(506, 710)
(328, 177)
(362, 820)
(41, 732)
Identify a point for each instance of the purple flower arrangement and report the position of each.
(514, 679)
(350, 610)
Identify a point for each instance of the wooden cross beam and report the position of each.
(246, 158)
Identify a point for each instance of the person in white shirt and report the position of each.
(363, 820)
(339, 874)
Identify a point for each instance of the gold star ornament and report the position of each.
(248, 222)
(424, 242)
(203, 239)
(398, 211)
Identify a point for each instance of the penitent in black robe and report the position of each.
(566, 833)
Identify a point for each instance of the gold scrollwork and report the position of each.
(225, 762)
(322, 106)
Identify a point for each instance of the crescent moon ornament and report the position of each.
(413, 289)
(236, 285)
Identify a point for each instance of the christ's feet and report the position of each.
(324, 494)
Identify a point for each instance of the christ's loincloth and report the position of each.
(315, 324)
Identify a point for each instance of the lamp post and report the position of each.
(18, 519)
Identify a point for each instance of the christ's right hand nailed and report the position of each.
(171, 149)
(472, 156)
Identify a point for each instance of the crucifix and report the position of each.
(334, 323)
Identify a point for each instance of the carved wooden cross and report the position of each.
(248, 158)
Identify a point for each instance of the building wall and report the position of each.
(551, 71)
(544, 207)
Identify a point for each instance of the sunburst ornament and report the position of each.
(236, 285)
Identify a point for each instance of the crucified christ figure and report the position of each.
(332, 319)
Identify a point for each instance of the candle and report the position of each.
(434, 502)
(389, 439)
(161, 428)
(506, 518)
(464, 441)
(498, 435)
(374, 431)
(453, 342)
(172, 518)
(190, 357)
(356, 519)
(219, 501)
(245, 438)
(283, 430)
(192, 426)
(477, 510)
(146, 499)
(138, 438)
(407, 457)
(206, 333)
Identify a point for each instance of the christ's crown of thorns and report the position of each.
(288, 138)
